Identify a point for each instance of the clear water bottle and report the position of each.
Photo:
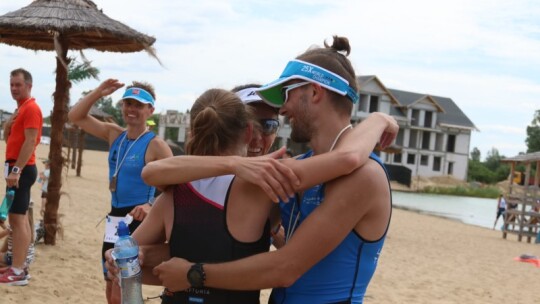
(6, 204)
(126, 254)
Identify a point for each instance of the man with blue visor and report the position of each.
(334, 232)
(337, 229)
(131, 148)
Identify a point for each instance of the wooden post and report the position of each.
(80, 148)
(73, 144)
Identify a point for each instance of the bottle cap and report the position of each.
(122, 229)
(128, 219)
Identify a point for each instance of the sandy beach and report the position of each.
(426, 259)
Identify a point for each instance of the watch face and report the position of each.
(196, 277)
(16, 170)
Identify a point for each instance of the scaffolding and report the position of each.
(522, 216)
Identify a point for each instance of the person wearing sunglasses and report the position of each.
(265, 130)
(266, 116)
(335, 231)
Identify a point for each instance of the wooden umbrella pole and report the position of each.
(58, 120)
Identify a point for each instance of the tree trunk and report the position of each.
(80, 147)
(58, 120)
(73, 143)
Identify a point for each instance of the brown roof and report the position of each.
(80, 21)
(524, 158)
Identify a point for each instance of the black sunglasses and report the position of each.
(269, 126)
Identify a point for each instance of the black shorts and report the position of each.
(21, 201)
(106, 246)
(500, 212)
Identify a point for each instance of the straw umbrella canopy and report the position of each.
(62, 25)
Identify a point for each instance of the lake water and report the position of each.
(469, 210)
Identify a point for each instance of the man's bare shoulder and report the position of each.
(159, 149)
(370, 178)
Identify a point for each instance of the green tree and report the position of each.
(492, 170)
(106, 105)
(79, 71)
(480, 173)
(493, 159)
(533, 134)
(475, 154)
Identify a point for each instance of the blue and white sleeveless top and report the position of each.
(343, 275)
(130, 188)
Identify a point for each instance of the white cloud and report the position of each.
(485, 55)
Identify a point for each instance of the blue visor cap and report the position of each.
(140, 95)
(298, 69)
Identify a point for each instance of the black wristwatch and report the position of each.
(196, 275)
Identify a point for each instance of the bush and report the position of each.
(486, 192)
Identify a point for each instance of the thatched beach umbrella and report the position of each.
(62, 25)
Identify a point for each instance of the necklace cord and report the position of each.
(118, 166)
(338, 136)
(292, 225)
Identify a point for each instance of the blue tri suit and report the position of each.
(344, 274)
(130, 188)
(131, 191)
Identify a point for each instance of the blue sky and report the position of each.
(484, 54)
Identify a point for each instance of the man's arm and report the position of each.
(322, 231)
(27, 148)
(79, 114)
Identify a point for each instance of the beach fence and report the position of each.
(522, 216)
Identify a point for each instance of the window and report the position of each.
(424, 160)
(399, 137)
(415, 118)
(439, 142)
(450, 168)
(411, 159)
(428, 119)
(397, 158)
(451, 144)
(437, 163)
(413, 139)
(363, 104)
(426, 136)
(374, 104)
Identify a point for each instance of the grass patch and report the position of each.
(484, 192)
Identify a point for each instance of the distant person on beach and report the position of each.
(131, 148)
(334, 231)
(22, 132)
(501, 209)
(44, 180)
(151, 124)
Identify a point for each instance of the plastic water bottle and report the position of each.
(6, 204)
(126, 254)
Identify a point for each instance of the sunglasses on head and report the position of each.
(285, 89)
(269, 126)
